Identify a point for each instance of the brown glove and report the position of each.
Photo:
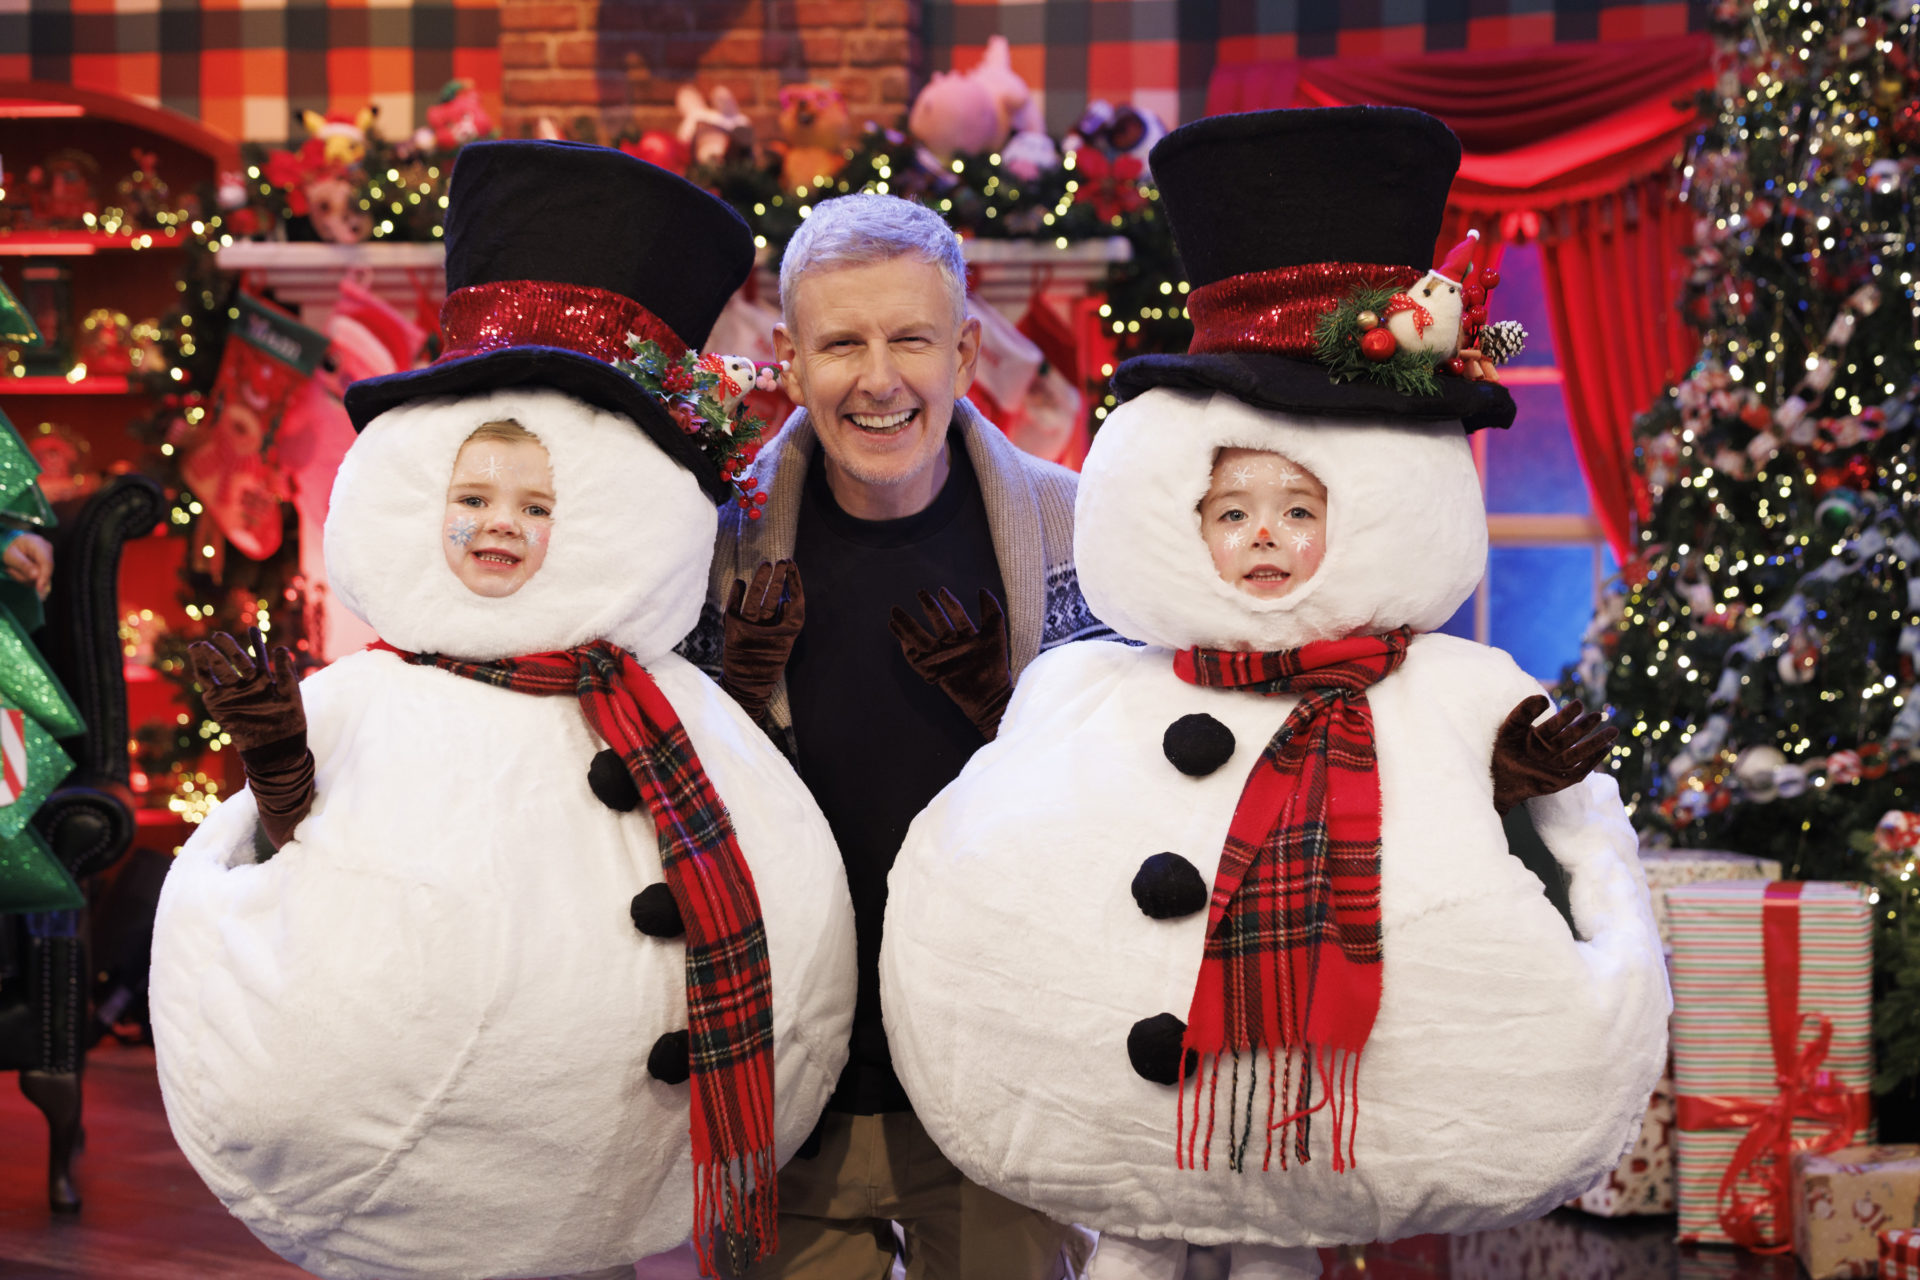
(258, 705)
(764, 618)
(969, 664)
(1539, 759)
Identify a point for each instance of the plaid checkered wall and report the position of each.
(1160, 53)
(247, 68)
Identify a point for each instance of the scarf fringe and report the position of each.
(1289, 1088)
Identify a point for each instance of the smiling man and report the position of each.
(938, 562)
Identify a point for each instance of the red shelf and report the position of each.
(80, 243)
(55, 386)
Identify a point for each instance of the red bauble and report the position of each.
(1378, 344)
(656, 146)
(1456, 366)
(1490, 279)
(1858, 472)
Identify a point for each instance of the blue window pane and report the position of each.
(1461, 623)
(1531, 466)
(1539, 602)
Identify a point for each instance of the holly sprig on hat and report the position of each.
(1343, 341)
(705, 396)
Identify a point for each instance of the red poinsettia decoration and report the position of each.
(1112, 187)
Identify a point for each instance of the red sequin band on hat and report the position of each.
(541, 313)
(1276, 310)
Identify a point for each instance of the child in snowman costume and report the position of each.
(553, 964)
(1220, 941)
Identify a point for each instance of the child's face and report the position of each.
(499, 514)
(1265, 521)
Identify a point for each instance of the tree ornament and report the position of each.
(1839, 511)
(1843, 767)
(1378, 344)
(1367, 320)
(1897, 831)
(1456, 366)
(1754, 770)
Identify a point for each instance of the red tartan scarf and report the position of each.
(729, 983)
(1291, 970)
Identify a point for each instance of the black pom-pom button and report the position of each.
(1167, 887)
(1197, 744)
(612, 785)
(667, 1060)
(656, 914)
(1153, 1047)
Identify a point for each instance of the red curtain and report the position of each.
(1571, 145)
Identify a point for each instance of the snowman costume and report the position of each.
(426, 1038)
(1038, 965)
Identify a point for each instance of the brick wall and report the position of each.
(615, 65)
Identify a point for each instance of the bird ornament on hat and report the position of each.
(1220, 940)
(553, 964)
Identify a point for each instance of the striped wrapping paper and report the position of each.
(1721, 1044)
(1900, 1254)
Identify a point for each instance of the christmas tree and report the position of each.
(1760, 655)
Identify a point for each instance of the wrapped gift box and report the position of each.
(1751, 960)
(1900, 1254)
(1643, 1182)
(1668, 869)
(1843, 1200)
(1562, 1246)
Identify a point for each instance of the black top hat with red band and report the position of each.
(1277, 216)
(556, 252)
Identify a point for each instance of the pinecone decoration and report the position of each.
(1503, 340)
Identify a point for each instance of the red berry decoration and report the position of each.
(1489, 279)
(1456, 366)
(1474, 295)
(1378, 344)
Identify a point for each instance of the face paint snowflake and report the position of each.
(494, 468)
(535, 535)
(1241, 474)
(461, 529)
(1288, 476)
(1302, 541)
(1236, 539)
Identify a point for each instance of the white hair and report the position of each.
(862, 229)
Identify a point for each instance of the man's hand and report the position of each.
(969, 664)
(257, 702)
(764, 618)
(1539, 759)
(29, 560)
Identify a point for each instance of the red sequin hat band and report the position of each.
(541, 313)
(1276, 310)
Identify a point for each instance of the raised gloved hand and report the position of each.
(257, 702)
(1539, 759)
(969, 664)
(764, 618)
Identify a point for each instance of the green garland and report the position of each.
(688, 386)
(1336, 344)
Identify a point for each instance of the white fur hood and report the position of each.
(632, 533)
(1406, 524)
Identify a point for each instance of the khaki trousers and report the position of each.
(837, 1211)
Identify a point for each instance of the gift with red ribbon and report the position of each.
(1772, 992)
(1900, 1254)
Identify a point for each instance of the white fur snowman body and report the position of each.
(414, 1043)
(1510, 1061)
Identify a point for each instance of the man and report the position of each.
(885, 488)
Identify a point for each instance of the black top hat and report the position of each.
(556, 251)
(1293, 195)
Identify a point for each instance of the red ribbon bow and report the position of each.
(1764, 1156)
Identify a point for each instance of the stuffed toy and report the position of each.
(816, 128)
(1220, 941)
(553, 962)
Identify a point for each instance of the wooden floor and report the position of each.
(148, 1217)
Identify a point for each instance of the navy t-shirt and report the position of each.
(874, 741)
